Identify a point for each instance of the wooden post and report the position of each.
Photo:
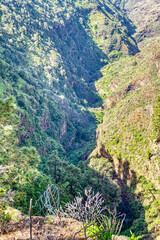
(30, 218)
(54, 202)
(85, 235)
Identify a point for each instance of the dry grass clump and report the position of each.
(43, 228)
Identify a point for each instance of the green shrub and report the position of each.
(105, 227)
(148, 154)
(133, 237)
(4, 217)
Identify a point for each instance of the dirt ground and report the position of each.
(42, 229)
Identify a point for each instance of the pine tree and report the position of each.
(56, 166)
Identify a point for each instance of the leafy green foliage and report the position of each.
(50, 55)
(56, 166)
(97, 232)
(4, 217)
(73, 179)
(133, 237)
(19, 165)
(20, 173)
(8, 120)
(105, 228)
(111, 35)
(129, 129)
(49, 58)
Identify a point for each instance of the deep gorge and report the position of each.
(85, 79)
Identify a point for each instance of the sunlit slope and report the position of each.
(129, 133)
(145, 14)
(51, 52)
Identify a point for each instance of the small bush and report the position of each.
(133, 237)
(4, 217)
(90, 213)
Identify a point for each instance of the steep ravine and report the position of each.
(51, 53)
(62, 61)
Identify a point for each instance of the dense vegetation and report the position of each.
(131, 104)
(20, 175)
(60, 61)
(50, 56)
(18, 165)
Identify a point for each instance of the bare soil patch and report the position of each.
(43, 229)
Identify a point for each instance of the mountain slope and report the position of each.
(53, 58)
(51, 53)
(144, 14)
(129, 133)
